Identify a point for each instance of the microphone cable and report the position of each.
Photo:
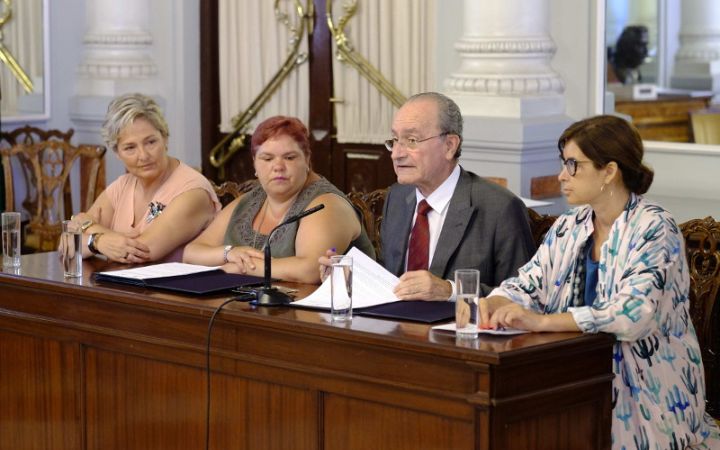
(207, 369)
(239, 299)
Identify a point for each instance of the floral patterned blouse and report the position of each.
(658, 392)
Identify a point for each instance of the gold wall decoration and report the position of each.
(347, 54)
(234, 141)
(6, 56)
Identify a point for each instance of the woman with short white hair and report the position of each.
(160, 204)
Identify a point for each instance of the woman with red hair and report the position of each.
(287, 186)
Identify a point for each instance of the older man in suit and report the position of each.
(472, 223)
(439, 217)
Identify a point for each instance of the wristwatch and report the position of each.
(92, 243)
(85, 225)
(226, 250)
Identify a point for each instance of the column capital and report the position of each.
(505, 61)
(117, 49)
(522, 45)
(697, 61)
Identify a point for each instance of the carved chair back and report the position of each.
(539, 225)
(370, 207)
(29, 135)
(45, 168)
(230, 190)
(702, 247)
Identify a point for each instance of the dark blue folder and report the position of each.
(196, 283)
(412, 310)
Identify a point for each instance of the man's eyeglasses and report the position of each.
(409, 143)
(571, 164)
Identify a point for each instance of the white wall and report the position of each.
(573, 27)
(177, 54)
(176, 34)
(449, 23)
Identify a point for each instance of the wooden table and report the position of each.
(100, 366)
(666, 118)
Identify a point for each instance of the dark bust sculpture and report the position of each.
(631, 50)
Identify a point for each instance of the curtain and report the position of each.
(397, 38)
(253, 45)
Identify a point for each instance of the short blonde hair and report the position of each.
(123, 110)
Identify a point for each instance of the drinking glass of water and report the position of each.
(11, 239)
(341, 287)
(71, 248)
(467, 285)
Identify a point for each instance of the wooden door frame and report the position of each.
(329, 157)
(209, 84)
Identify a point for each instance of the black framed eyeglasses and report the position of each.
(571, 164)
(409, 143)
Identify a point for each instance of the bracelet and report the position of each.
(226, 251)
(92, 243)
(87, 224)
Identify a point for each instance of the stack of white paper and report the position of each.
(174, 269)
(372, 285)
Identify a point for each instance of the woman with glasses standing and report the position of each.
(616, 264)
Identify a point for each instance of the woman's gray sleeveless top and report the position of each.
(240, 231)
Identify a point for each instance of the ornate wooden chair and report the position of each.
(230, 190)
(29, 135)
(539, 225)
(702, 246)
(370, 206)
(44, 162)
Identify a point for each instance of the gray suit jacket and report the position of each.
(486, 228)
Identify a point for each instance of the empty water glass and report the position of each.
(467, 284)
(341, 287)
(71, 248)
(11, 239)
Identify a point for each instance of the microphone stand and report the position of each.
(268, 295)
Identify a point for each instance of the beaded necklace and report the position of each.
(262, 220)
(579, 276)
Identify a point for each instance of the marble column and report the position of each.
(505, 53)
(117, 58)
(512, 100)
(117, 48)
(697, 62)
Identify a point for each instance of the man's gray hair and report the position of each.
(123, 110)
(450, 118)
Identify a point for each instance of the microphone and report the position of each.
(268, 295)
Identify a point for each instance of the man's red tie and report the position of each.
(419, 249)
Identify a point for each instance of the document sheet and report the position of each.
(174, 269)
(499, 331)
(372, 285)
